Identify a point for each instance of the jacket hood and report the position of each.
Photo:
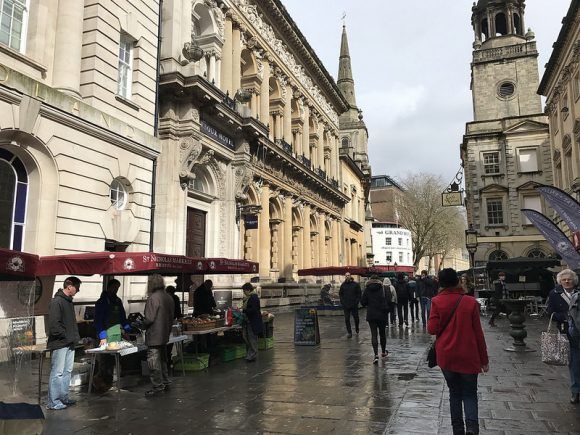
(387, 281)
(374, 284)
(60, 293)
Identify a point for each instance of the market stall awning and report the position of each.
(220, 266)
(522, 263)
(17, 266)
(118, 263)
(333, 270)
(384, 269)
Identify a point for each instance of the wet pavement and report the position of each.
(335, 387)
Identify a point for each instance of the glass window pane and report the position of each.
(20, 209)
(20, 170)
(18, 233)
(7, 189)
(528, 160)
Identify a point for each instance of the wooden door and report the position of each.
(195, 243)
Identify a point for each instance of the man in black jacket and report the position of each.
(501, 291)
(403, 296)
(350, 295)
(63, 335)
(203, 300)
(426, 289)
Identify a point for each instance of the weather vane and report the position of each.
(344, 18)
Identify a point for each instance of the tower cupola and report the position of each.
(492, 19)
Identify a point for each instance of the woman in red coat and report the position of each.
(461, 349)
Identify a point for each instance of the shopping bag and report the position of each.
(555, 347)
(432, 356)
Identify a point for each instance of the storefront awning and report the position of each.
(333, 270)
(17, 266)
(522, 263)
(220, 266)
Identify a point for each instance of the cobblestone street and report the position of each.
(335, 388)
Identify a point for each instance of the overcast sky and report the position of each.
(411, 63)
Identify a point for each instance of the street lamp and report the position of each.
(471, 245)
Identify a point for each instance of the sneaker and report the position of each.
(384, 354)
(56, 407)
(357, 331)
(349, 335)
(152, 393)
(376, 359)
(69, 402)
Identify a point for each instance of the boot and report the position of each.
(472, 428)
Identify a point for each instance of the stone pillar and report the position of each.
(306, 132)
(227, 51)
(279, 126)
(306, 246)
(353, 253)
(236, 60)
(298, 142)
(211, 77)
(288, 116)
(66, 72)
(322, 241)
(320, 145)
(218, 70)
(287, 266)
(334, 244)
(264, 228)
(335, 158)
(265, 95)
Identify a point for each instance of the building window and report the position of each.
(400, 257)
(532, 203)
(400, 241)
(388, 241)
(13, 200)
(565, 107)
(389, 257)
(491, 163)
(118, 194)
(528, 160)
(536, 253)
(498, 255)
(14, 24)
(506, 90)
(125, 66)
(494, 211)
(408, 257)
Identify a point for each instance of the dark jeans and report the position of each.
(403, 311)
(463, 398)
(425, 309)
(378, 328)
(414, 306)
(574, 368)
(347, 313)
(393, 314)
(499, 308)
(157, 362)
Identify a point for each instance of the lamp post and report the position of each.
(471, 245)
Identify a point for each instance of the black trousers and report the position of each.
(354, 313)
(393, 314)
(403, 311)
(499, 308)
(378, 328)
(414, 306)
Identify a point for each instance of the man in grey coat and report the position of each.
(159, 310)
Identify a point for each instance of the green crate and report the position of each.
(232, 352)
(191, 363)
(265, 343)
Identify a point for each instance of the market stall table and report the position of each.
(195, 333)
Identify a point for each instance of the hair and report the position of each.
(448, 278)
(248, 287)
(71, 280)
(567, 272)
(154, 283)
(374, 277)
(423, 272)
(113, 282)
(170, 289)
(502, 273)
(208, 282)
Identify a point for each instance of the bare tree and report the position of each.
(435, 229)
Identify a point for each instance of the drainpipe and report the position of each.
(155, 127)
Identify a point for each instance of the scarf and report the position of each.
(246, 298)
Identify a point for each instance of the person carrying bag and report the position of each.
(555, 346)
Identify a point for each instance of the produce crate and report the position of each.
(198, 327)
(191, 363)
(265, 343)
(232, 352)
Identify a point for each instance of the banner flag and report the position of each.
(555, 237)
(565, 205)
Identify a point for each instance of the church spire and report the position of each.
(345, 80)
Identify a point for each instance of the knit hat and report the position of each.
(448, 278)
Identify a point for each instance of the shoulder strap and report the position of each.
(451, 316)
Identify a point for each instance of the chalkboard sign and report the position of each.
(306, 330)
(22, 331)
(223, 299)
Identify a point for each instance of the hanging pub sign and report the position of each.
(217, 135)
(451, 199)
(251, 221)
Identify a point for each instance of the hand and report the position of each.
(125, 335)
(485, 368)
(103, 342)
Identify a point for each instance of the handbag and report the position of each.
(432, 353)
(555, 347)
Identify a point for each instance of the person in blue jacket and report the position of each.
(253, 325)
(111, 325)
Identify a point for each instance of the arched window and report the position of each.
(536, 253)
(518, 25)
(498, 255)
(484, 29)
(500, 24)
(13, 197)
(345, 142)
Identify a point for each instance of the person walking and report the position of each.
(501, 292)
(63, 335)
(461, 349)
(253, 325)
(350, 295)
(426, 289)
(392, 314)
(377, 299)
(413, 299)
(159, 312)
(403, 296)
(563, 303)
(466, 285)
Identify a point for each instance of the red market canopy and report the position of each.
(333, 270)
(218, 266)
(17, 266)
(118, 263)
(384, 269)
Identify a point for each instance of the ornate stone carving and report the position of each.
(190, 156)
(243, 177)
(267, 32)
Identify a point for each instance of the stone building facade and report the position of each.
(506, 149)
(561, 86)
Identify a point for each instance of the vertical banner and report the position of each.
(565, 205)
(555, 237)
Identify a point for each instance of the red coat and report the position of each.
(461, 348)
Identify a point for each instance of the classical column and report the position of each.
(287, 266)
(288, 115)
(335, 158)
(306, 132)
(306, 246)
(227, 51)
(353, 253)
(66, 72)
(320, 145)
(334, 244)
(322, 241)
(298, 141)
(218, 69)
(211, 77)
(264, 225)
(265, 95)
(236, 60)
